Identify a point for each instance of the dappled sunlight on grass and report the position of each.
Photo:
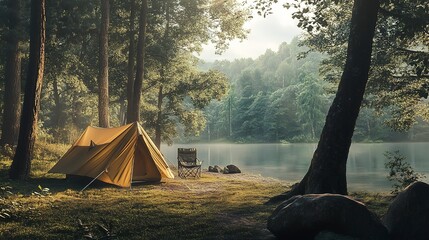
(212, 207)
(216, 206)
(149, 212)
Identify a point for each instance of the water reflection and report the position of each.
(365, 168)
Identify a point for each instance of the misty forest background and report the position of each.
(282, 96)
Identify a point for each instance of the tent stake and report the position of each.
(92, 180)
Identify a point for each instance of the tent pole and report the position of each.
(93, 180)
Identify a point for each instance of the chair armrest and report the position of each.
(190, 164)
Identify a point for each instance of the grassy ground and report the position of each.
(215, 206)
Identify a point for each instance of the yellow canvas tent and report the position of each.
(115, 155)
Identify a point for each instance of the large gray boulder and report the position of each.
(304, 217)
(231, 169)
(408, 214)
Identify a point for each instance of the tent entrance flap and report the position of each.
(144, 170)
(124, 154)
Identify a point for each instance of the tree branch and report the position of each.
(411, 51)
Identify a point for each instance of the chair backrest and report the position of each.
(187, 155)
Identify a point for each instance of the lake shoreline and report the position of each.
(366, 169)
(215, 206)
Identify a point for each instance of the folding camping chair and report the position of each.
(188, 164)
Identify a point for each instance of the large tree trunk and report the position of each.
(103, 76)
(327, 171)
(21, 164)
(130, 67)
(12, 94)
(141, 49)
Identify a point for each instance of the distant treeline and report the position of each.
(280, 97)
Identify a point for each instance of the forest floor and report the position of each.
(216, 206)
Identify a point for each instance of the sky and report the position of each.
(265, 33)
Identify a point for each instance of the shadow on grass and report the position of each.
(58, 184)
(54, 183)
(228, 209)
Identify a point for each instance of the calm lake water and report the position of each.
(365, 167)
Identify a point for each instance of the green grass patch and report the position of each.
(215, 206)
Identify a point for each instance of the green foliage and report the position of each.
(183, 97)
(176, 31)
(226, 20)
(7, 151)
(177, 91)
(265, 97)
(49, 151)
(295, 97)
(42, 192)
(401, 174)
(311, 101)
(66, 114)
(398, 83)
(279, 121)
(263, 102)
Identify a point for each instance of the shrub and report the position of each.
(401, 174)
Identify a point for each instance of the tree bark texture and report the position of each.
(141, 49)
(21, 165)
(12, 94)
(327, 171)
(103, 76)
(130, 67)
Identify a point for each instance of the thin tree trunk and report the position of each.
(57, 108)
(21, 165)
(313, 132)
(122, 113)
(141, 49)
(130, 67)
(158, 127)
(368, 125)
(229, 117)
(12, 94)
(327, 171)
(159, 120)
(103, 77)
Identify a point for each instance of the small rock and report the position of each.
(408, 214)
(231, 169)
(304, 217)
(215, 169)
